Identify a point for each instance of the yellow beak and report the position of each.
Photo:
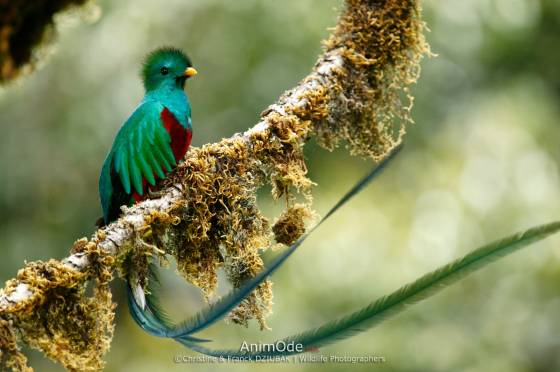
(190, 71)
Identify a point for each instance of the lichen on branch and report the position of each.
(207, 216)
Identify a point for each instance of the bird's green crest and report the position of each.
(165, 64)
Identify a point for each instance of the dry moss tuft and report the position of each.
(24, 26)
(382, 43)
(63, 321)
(291, 224)
(10, 355)
(71, 328)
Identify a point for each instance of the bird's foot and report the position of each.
(155, 194)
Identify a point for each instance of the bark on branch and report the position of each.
(206, 216)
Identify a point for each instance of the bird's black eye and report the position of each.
(164, 70)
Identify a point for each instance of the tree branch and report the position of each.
(206, 216)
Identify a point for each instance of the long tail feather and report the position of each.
(392, 304)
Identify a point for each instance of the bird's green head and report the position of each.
(166, 67)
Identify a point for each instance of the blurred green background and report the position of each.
(481, 162)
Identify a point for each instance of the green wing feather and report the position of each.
(142, 148)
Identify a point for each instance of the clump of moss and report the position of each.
(62, 321)
(10, 356)
(71, 328)
(24, 26)
(101, 262)
(382, 43)
(291, 224)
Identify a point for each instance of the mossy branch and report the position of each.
(206, 215)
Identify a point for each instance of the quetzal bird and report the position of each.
(152, 140)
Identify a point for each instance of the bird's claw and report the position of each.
(155, 194)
